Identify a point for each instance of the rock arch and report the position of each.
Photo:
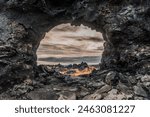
(125, 26)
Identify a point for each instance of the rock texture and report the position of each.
(127, 44)
(125, 26)
(50, 84)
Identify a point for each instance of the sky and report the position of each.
(66, 44)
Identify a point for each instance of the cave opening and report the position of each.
(125, 65)
(67, 44)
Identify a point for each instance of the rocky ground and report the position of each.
(53, 84)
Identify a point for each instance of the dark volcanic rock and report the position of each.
(93, 97)
(145, 78)
(111, 78)
(42, 94)
(125, 26)
(138, 90)
(116, 95)
(104, 89)
(67, 96)
(49, 86)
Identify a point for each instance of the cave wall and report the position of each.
(127, 35)
(125, 26)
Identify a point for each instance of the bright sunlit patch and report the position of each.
(77, 72)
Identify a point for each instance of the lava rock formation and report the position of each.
(125, 25)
